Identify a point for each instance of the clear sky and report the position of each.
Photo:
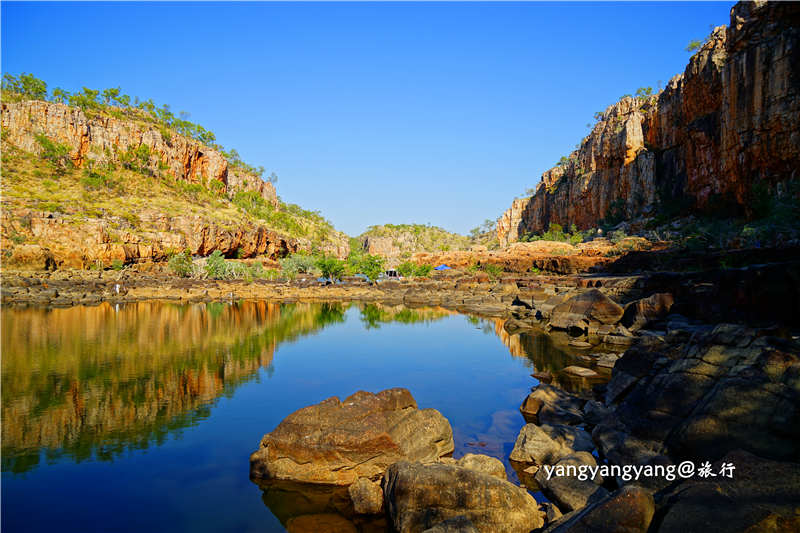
(372, 113)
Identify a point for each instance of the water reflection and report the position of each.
(548, 353)
(94, 381)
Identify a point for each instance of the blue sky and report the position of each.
(372, 113)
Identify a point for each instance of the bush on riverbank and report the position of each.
(409, 269)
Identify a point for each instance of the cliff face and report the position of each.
(729, 122)
(105, 139)
(57, 222)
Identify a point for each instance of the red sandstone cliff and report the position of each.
(72, 236)
(102, 138)
(730, 121)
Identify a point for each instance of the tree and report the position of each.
(272, 178)
(60, 95)
(331, 267)
(27, 85)
(694, 45)
(110, 95)
(371, 266)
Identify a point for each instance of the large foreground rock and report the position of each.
(419, 497)
(337, 442)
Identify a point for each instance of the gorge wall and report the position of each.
(729, 122)
(73, 236)
(102, 139)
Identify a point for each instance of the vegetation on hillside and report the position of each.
(126, 196)
(412, 238)
(113, 102)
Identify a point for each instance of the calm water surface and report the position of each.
(142, 417)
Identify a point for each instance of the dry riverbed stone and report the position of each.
(336, 442)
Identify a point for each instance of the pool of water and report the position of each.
(141, 417)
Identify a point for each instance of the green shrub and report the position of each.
(406, 269)
(26, 85)
(181, 264)
(617, 236)
(494, 271)
(423, 271)
(92, 180)
(298, 263)
(216, 266)
(117, 264)
(331, 268)
(54, 153)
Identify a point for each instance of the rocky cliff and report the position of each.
(101, 139)
(134, 192)
(729, 123)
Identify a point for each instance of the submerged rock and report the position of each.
(420, 496)
(337, 442)
(581, 371)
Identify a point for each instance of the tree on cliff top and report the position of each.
(26, 85)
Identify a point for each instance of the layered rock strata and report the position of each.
(729, 123)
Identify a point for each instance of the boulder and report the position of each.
(337, 442)
(546, 444)
(482, 463)
(547, 404)
(711, 393)
(367, 496)
(761, 495)
(459, 524)
(639, 313)
(591, 307)
(571, 492)
(581, 371)
(628, 510)
(419, 497)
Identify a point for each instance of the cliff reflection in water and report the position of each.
(92, 382)
(95, 381)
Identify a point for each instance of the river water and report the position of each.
(141, 417)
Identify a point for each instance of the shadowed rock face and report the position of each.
(730, 121)
(707, 395)
(420, 496)
(336, 442)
